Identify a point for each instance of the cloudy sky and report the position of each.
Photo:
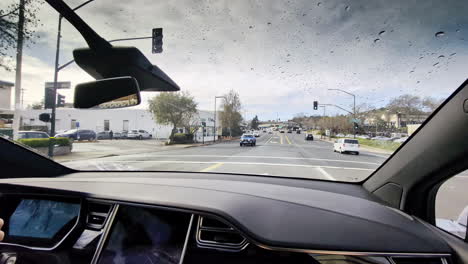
(279, 56)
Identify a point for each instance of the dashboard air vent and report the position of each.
(212, 233)
(418, 260)
(97, 214)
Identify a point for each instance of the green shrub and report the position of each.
(44, 142)
(182, 138)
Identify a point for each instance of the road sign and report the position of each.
(60, 85)
(157, 40)
(44, 117)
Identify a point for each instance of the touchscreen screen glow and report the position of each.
(41, 218)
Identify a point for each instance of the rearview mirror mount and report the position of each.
(108, 93)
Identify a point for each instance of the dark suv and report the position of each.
(32, 134)
(78, 134)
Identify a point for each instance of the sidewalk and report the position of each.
(366, 148)
(95, 153)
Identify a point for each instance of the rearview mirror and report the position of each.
(108, 93)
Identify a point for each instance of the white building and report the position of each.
(114, 119)
(5, 95)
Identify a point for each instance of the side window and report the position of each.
(451, 209)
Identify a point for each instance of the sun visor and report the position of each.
(124, 61)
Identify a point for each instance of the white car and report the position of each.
(256, 134)
(138, 134)
(345, 145)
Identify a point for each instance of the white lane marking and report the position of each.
(268, 157)
(376, 155)
(326, 174)
(239, 163)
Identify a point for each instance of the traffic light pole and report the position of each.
(54, 91)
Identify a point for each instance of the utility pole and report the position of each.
(52, 123)
(19, 62)
(354, 106)
(57, 68)
(214, 121)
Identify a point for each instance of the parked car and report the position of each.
(124, 134)
(256, 134)
(281, 131)
(340, 135)
(117, 135)
(78, 134)
(298, 131)
(289, 131)
(270, 132)
(309, 136)
(138, 134)
(345, 145)
(248, 139)
(106, 135)
(32, 134)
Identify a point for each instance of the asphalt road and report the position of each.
(275, 154)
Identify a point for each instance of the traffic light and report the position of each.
(315, 105)
(44, 117)
(203, 124)
(157, 40)
(49, 98)
(60, 100)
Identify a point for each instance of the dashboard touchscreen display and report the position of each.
(38, 221)
(146, 235)
(41, 218)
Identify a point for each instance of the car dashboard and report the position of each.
(187, 218)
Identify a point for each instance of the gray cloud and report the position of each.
(282, 55)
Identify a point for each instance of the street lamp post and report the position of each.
(354, 106)
(214, 121)
(57, 53)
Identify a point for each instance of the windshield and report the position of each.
(370, 72)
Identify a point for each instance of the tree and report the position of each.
(174, 109)
(406, 104)
(9, 27)
(230, 115)
(37, 105)
(255, 122)
(430, 103)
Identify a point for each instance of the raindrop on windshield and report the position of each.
(269, 23)
(250, 27)
(319, 3)
(435, 64)
(288, 55)
(347, 8)
(458, 30)
(441, 57)
(381, 33)
(376, 40)
(417, 82)
(411, 71)
(440, 34)
(453, 54)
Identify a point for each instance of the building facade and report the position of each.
(117, 120)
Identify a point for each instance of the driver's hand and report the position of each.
(2, 234)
